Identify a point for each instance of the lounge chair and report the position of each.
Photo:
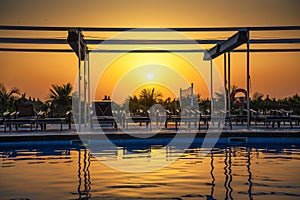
(242, 117)
(192, 116)
(24, 115)
(5, 116)
(239, 119)
(295, 118)
(175, 118)
(136, 119)
(43, 121)
(221, 117)
(103, 115)
(188, 117)
(278, 116)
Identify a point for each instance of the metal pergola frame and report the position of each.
(50, 41)
(236, 40)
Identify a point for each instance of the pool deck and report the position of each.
(72, 134)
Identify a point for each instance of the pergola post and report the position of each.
(79, 85)
(89, 88)
(230, 44)
(84, 90)
(192, 93)
(180, 95)
(248, 82)
(225, 82)
(228, 90)
(211, 88)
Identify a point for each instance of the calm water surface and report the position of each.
(69, 171)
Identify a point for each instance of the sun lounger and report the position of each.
(138, 119)
(17, 122)
(5, 116)
(278, 116)
(188, 117)
(296, 119)
(103, 115)
(42, 121)
(239, 119)
(205, 119)
(24, 115)
(104, 121)
(192, 117)
(219, 120)
(172, 118)
(278, 119)
(126, 119)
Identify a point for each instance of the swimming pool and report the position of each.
(235, 169)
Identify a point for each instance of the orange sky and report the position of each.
(276, 74)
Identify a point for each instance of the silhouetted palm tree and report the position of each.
(294, 103)
(256, 102)
(133, 104)
(149, 97)
(60, 98)
(7, 98)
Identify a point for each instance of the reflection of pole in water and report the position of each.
(211, 196)
(230, 174)
(86, 171)
(227, 173)
(86, 175)
(249, 173)
(79, 173)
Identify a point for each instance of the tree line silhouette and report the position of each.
(59, 101)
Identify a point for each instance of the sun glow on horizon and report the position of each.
(159, 88)
(150, 76)
(130, 71)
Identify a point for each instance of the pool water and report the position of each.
(66, 170)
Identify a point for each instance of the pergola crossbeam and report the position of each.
(138, 42)
(144, 51)
(110, 29)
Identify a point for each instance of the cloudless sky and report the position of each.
(276, 74)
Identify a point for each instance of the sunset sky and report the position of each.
(275, 74)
